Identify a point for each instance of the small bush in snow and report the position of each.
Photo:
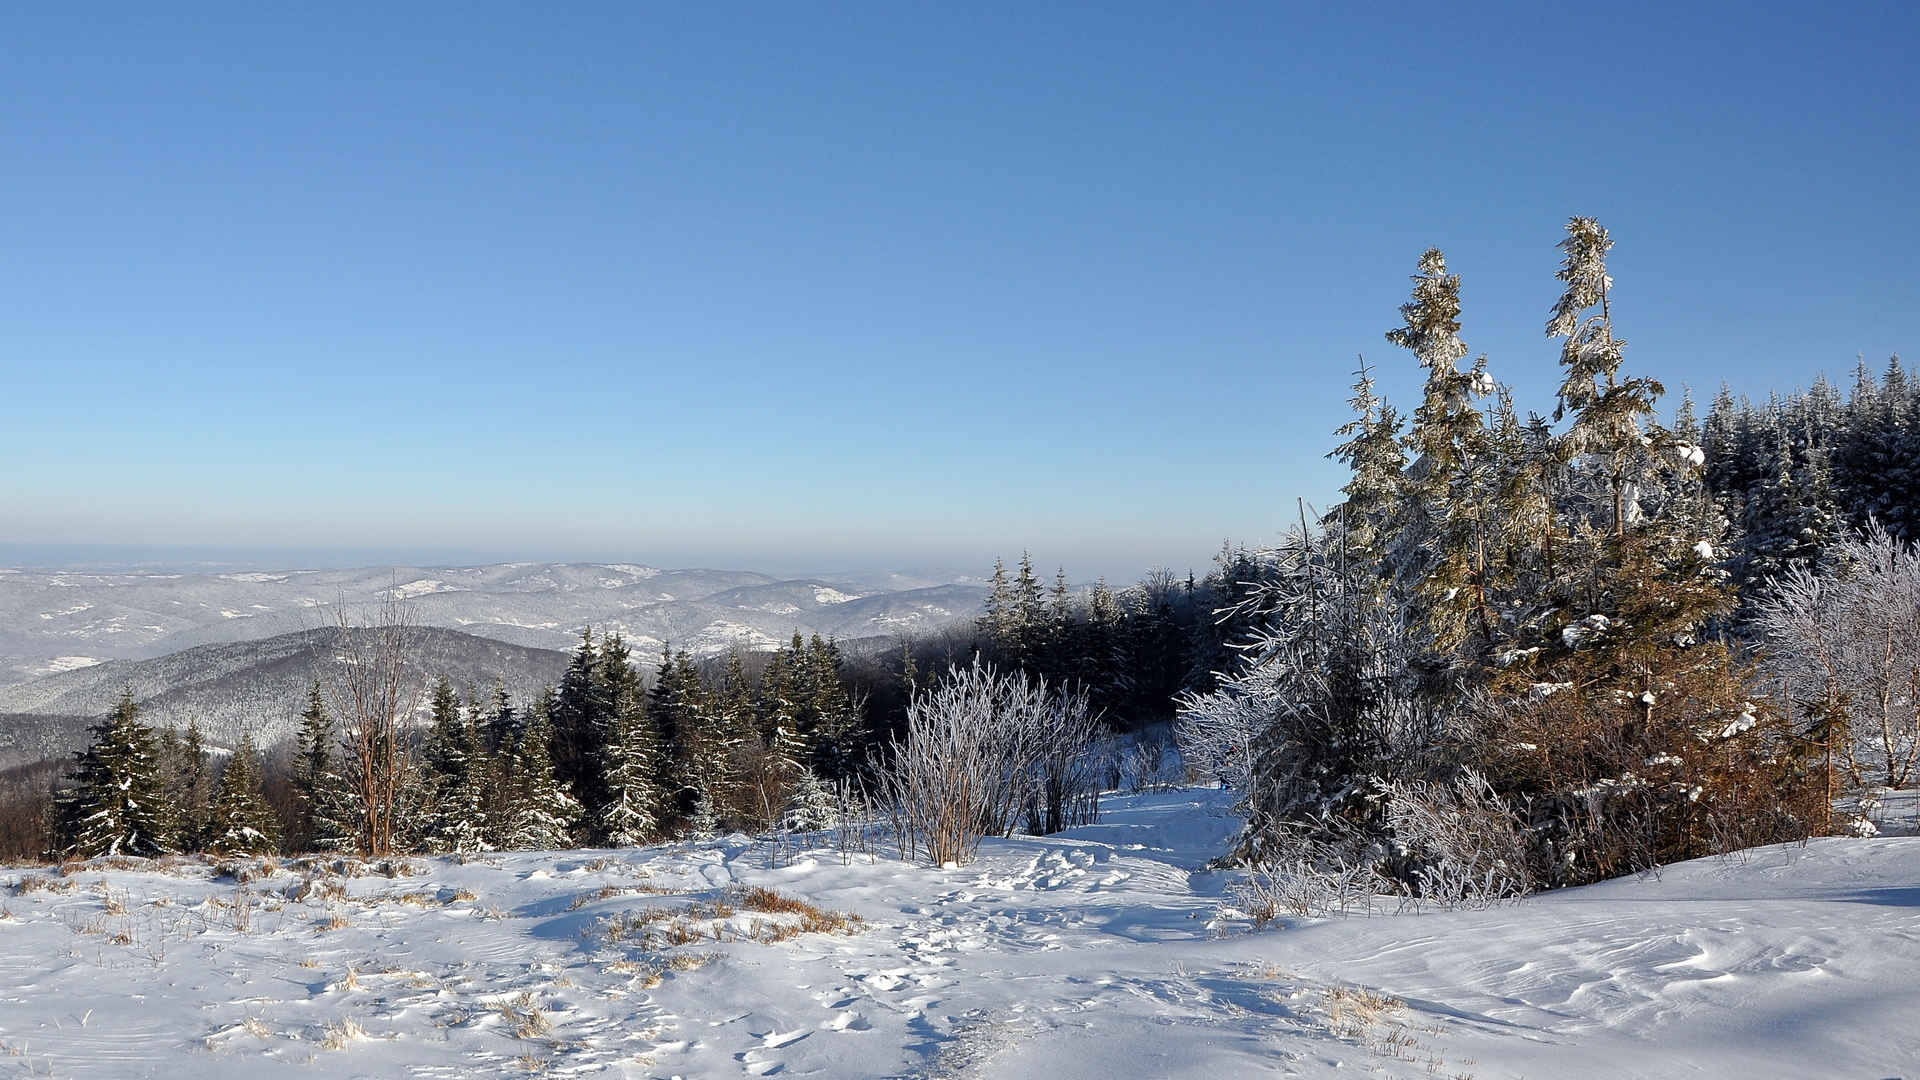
(1462, 841)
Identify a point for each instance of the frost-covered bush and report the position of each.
(1845, 641)
(1461, 842)
(1325, 707)
(1309, 873)
(984, 751)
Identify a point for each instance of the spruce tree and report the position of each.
(453, 803)
(541, 814)
(1030, 622)
(675, 712)
(1627, 736)
(241, 823)
(317, 823)
(1001, 620)
(1373, 454)
(704, 822)
(629, 754)
(627, 818)
(501, 728)
(828, 718)
(1611, 413)
(811, 807)
(579, 722)
(114, 806)
(1441, 549)
(186, 814)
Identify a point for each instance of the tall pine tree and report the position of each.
(114, 805)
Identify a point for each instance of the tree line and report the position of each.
(1795, 476)
(612, 757)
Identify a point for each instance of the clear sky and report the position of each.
(901, 285)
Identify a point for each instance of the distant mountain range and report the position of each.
(233, 687)
(55, 622)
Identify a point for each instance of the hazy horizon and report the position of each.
(110, 558)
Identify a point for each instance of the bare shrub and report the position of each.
(376, 687)
(1843, 645)
(1063, 772)
(1464, 842)
(983, 751)
(1309, 872)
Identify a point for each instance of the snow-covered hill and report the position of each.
(262, 685)
(1095, 954)
(55, 621)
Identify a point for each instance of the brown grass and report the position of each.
(340, 1035)
(1353, 1010)
(662, 928)
(311, 887)
(527, 1019)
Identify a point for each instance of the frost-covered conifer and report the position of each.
(628, 817)
(1625, 732)
(579, 721)
(541, 814)
(1441, 550)
(454, 797)
(317, 821)
(191, 782)
(114, 806)
(704, 822)
(811, 808)
(1376, 459)
(241, 823)
(630, 761)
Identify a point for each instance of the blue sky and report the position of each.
(795, 286)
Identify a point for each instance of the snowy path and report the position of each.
(1094, 954)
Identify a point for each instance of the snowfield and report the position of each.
(1097, 953)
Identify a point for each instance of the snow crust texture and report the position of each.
(1097, 953)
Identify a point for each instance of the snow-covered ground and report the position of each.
(1098, 953)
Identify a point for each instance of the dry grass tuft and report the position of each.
(312, 887)
(104, 862)
(811, 918)
(246, 872)
(525, 1016)
(1352, 1011)
(665, 928)
(34, 883)
(688, 961)
(340, 1035)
